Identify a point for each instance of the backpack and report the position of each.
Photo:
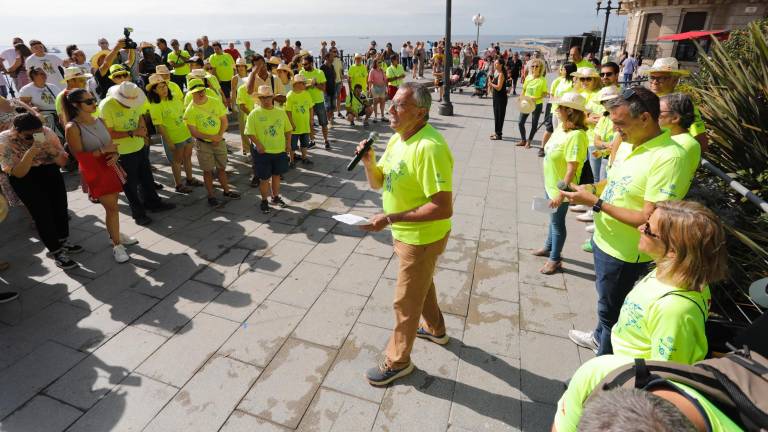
(736, 383)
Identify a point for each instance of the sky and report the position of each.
(78, 21)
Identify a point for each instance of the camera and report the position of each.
(129, 43)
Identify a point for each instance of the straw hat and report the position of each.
(240, 62)
(195, 86)
(585, 72)
(162, 69)
(274, 60)
(666, 65)
(303, 53)
(299, 79)
(96, 57)
(572, 100)
(198, 73)
(154, 80)
(607, 93)
(284, 67)
(128, 94)
(74, 72)
(145, 45)
(526, 104)
(117, 69)
(358, 55)
(264, 91)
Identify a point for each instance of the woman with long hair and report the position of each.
(565, 153)
(663, 317)
(534, 86)
(560, 86)
(377, 88)
(587, 83)
(498, 86)
(167, 114)
(17, 70)
(97, 156)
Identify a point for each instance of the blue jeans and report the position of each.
(557, 232)
(627, 79)
(614, 279)
(598, 165)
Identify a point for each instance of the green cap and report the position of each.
(195, 86)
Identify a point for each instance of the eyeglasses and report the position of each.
(660, 78)
(399, 106)
(90, 101)
(585, 79)
(646, 229)
(606, 74)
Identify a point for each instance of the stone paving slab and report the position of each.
(232, 320)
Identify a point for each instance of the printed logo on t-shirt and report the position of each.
(666, 346)
(271, 130)
(393, 175)
(616, 188)
(669, 191)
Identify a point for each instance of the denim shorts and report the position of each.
(297, 139)
(322, 114)
(169, 153)
(270, 164)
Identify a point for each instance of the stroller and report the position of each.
(457, 80)
(480, 83)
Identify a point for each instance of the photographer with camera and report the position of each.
(102, 74)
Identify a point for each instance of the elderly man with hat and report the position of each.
(206, 118)
(415, 172)
(663, 77)
(122, 112)
(224, 69)
(269, 130)
(653, 171)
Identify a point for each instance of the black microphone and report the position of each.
(359, 155)
(563, 186)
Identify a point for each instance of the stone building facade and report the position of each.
(649, 19)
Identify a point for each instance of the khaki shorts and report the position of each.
(210, 156)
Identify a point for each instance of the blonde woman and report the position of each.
(534, 86)
(586, 81)
(663, 317)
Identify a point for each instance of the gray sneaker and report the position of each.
(583, 339)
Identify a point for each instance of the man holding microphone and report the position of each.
(415, 173)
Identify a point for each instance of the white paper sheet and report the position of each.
(351, 219)
(542, 205)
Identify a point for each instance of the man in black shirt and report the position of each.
(330, 84)
(514, 66)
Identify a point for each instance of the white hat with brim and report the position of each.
(73, 73)
(128, 94)
(665, 65)
(585, 72)
(162, 69)
(274, 60)
(607, 93)
(526, 104)
(154, 80)
(264, 91)
(572, 100)
(285, 68)
(240, 62)
(198, 73)
(299, 79)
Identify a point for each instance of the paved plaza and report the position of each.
(231, 320)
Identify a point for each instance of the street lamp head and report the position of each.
(478, 19)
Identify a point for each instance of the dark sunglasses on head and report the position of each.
(646, 229)
(607, 74)
(630, 93)
(90, 101)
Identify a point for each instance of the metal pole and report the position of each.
(446, 108)
(477, 38)
(605, 31)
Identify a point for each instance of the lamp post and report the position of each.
(478, 20)
(446, 107)
(608, 8)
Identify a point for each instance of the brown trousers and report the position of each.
(415, 297)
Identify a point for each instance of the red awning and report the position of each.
(698, 34)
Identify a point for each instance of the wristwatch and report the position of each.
(598, 207)
(130, 134)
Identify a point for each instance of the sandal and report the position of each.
(522, 144)
(543, 252)
(180, 188)
(495, 137)
(551, 267)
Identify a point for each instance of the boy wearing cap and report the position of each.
(207, 120)
(122, 112)
(298, 107)
(270, 132)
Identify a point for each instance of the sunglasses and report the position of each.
(646, 229)
(120, 75)
(659, 78)
(585, 79)
(606, 74)
(630, 93)
(90, 101)
(27, 137)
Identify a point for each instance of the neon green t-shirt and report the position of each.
(300, 105)
(319, 77)
(535, 88)
(414, 170)
(269, 126)
(213, 82)
(395, 71)
(206, 118)
(211, 93)
(593, 106)
(624, 150)
(354, 104)
(559, 87)
(657, 323)
(563, 147)
(224, 66)
(175, 90)
(170, 115)
(651, 172)
(692, 151)
(588, 376)
(604, 130)
(179, 62)
(698, 127)
(585, 63)
(243, 98)
(122, 119)
(358, 74)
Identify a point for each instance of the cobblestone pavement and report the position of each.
(230, 320)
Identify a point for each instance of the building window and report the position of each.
(652, 28)
(686, 50)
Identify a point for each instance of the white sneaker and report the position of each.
(586, 217)
(590, 228)
(581, 208)
(120, 254)
(128, 240)
(583, 339)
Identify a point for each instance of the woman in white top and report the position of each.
(41, 95)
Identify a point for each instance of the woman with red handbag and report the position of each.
(97, 156)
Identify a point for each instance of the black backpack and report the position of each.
(736, 383)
